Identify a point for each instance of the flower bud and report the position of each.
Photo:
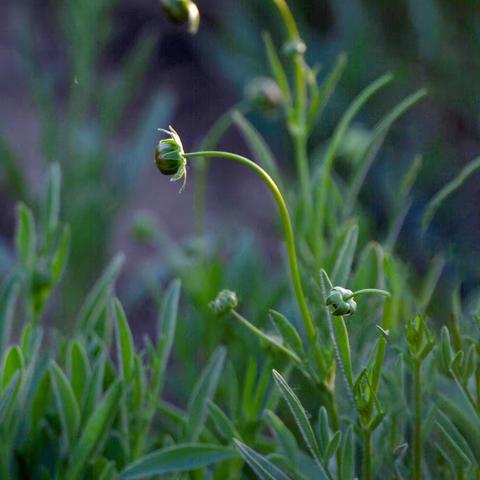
(225, 302)
(170, 156)
(339, 305)
(264, 94)
(183, 12)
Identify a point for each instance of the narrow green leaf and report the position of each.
(285, 436)
(203, 392)
(8, 297)
(66, 402)
(289, 333)
(25, 237)
(60, 257)
(262, 467)
(410, 176)
(78, 369)
(8, 395)
(94, 431)
(324, 93)
(431, 282)
(299, 415)
(13, 177)
(52, 203)
(336, 140)
(343, 265)
(98, 293)
(13, 362)
(178, 458)
(276, 68)
(436, 202)
(260, 149)
(125, 345)
(223, 424)
(167, 320)
(454, 436)
(377, 138)
(333, 445)
(323, 430)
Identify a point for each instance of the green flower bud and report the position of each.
(339, 305)
(225, 302)
(183, 12)
(170, 157)
(264, 94)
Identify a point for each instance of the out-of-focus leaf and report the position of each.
(66, 402)
(8, 297)
(125, 345)
(343, 265)
(25, 237)
(436, 202)
(203, 392)
(94, 431)
(178, 458)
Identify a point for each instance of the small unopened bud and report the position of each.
(265, 94)
(170, 157)
(341, 302)
(225, 302)
(183, 12)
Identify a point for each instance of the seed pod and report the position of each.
(183, 12)
(339, 303)
(225, 302)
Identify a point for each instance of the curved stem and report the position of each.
(287, 226)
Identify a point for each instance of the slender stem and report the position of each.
(298, 118)
(367, 454)
(417, 449)
(287, 226)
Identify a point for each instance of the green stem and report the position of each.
(287, 226)
(298, 116)
(417, 449)
(367, 454)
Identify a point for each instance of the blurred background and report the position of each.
(87, 83)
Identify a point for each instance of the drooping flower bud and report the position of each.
(341, 302)
(183, 12)
(170, 157)
(225, 302)
(265, 94)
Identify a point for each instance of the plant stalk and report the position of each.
(367, 454)
(287, 226)
(417, 440)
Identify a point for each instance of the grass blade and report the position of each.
(25, 237)
(277, 69)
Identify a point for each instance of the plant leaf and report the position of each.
(25, 237)
(124, 337)
(94, 431)
(203, 392)
(436, 202)
(299, 415)
(178, 458)
(67, 404)
(262, 467)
